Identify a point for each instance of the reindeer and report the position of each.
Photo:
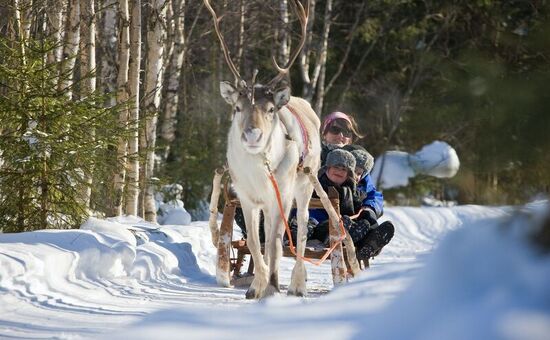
(274, 133)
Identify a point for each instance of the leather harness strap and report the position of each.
(305, 136)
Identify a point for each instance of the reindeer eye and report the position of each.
(271, 110)
(237, 109)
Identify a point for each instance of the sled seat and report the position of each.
(230, 262)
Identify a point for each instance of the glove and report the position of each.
(369, 215)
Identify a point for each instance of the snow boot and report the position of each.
(373, 243)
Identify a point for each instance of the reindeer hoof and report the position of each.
(251, 294)
(293, 292)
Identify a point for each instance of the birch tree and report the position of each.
(70, 47)
(172, 76)
(107, 50)
(314, 77)
(55, 11)
(156, 38)
(122, 99)
(87, 67)
(132, 190)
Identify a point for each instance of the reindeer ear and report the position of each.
(229, 92)
(281, 97)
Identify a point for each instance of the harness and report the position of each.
(305, 136)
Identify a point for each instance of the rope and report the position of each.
(289, 235)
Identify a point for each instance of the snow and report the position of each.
(395, 168)
(462, 272)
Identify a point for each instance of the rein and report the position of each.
(287, 228)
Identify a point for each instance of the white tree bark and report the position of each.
(282, 32)
(70, 47)
(318, 79)
(172, 76)
(87, 66)
(107, 50)
(122, 98)
(156, 38)
(55, 10)
(132, 190)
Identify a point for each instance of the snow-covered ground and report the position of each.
(464, 272)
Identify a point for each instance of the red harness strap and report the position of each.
(287, 228)
(305, 136)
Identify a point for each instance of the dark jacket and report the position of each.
(370, 197)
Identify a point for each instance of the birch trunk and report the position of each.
(87, 67)
(156, 38)
(55, 9)
(283, 37)
(107, 50)
(305, 54)
(70, 48)
(172, 76)
(310, 87)
(318, 80)
(122, 100)
(132, 191)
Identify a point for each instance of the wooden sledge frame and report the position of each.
(223, 239)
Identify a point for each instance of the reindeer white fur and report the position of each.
(258, 133)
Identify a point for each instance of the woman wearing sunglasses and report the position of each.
(338, 130)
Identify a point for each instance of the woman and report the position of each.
(338, 130)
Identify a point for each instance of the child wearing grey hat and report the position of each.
(359, 218)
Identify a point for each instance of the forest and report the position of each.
(104, 102)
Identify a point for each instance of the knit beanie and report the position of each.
(331, 118)
(340, 157)
(363, 159)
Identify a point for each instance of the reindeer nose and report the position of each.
(253, 135)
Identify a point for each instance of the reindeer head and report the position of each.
(254, 119)
(256, 107)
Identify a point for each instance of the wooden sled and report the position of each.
(343, 263)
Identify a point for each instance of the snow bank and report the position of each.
(395, 168)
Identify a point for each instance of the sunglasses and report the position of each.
(335, 130)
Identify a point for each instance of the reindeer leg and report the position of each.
(251, 217)
(213, 220)
(273, 249)
(303, 191)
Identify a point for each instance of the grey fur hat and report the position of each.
(363, 159)
(340, 157)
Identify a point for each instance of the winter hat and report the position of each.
(332, 117)
(340, 157)
(363, 159)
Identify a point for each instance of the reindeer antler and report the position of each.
(225, 49)
(303, 15)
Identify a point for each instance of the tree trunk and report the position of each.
(132, 191)
(107, 50)
(87, 66)
(172, 76)
(70, 47)
(122, 100)
(305, 54)
(55, 9)
(156, 36)
(320, 68)
(282, 34)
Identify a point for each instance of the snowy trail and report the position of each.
(99, 279)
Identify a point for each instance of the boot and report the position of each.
(375, 240)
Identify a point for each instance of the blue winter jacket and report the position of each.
(374, 198)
